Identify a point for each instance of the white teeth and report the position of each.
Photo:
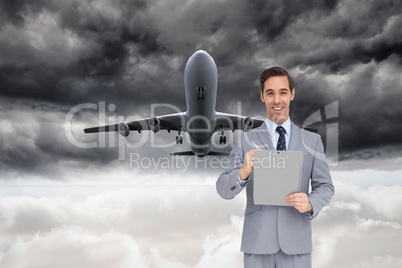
(278, 108)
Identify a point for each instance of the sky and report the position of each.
(68, 199)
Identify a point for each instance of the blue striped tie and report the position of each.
(281, 141)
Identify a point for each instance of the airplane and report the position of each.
(200, 120)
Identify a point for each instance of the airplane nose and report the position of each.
(199, 64)
(201, 55)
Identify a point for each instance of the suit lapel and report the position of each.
(265, 138)
(294, 138)
(263, 135)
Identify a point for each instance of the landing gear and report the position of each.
(222, 138)
(200, 95)
(179, 138)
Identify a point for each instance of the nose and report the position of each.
(277, 99)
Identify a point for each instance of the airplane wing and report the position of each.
(224, 121)
(164, 122)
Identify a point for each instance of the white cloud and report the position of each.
(368, 224)
(182, 226)
(358, 224)
(381, 261)
(71, 246)
(223, 251)
(172, 225)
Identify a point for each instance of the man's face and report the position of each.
(277, 96)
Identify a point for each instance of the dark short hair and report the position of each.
(274, 71)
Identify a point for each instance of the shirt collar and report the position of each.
(272, 126)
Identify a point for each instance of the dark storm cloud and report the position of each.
(56, 45)
(370, 108)
(345, 51)
(33, 140)
(270, 18)
(58, 54)
(12, 11)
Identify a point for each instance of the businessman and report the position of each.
(278, 236)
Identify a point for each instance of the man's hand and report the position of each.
(248, 165)
(299, 201)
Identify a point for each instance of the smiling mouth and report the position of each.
(277, 109)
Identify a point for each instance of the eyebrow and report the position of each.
(270, 89)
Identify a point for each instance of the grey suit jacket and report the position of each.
(267, 229)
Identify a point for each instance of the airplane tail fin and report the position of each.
(183, 153)
(217, 153)
(191, 153)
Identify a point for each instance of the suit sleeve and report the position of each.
(227, 184)
(322, 188)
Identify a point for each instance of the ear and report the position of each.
(262, 99)
(293, 94)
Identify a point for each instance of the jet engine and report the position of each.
(247, 124)
(154, 124)
(124, 130)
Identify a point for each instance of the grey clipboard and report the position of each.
(276, 175)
